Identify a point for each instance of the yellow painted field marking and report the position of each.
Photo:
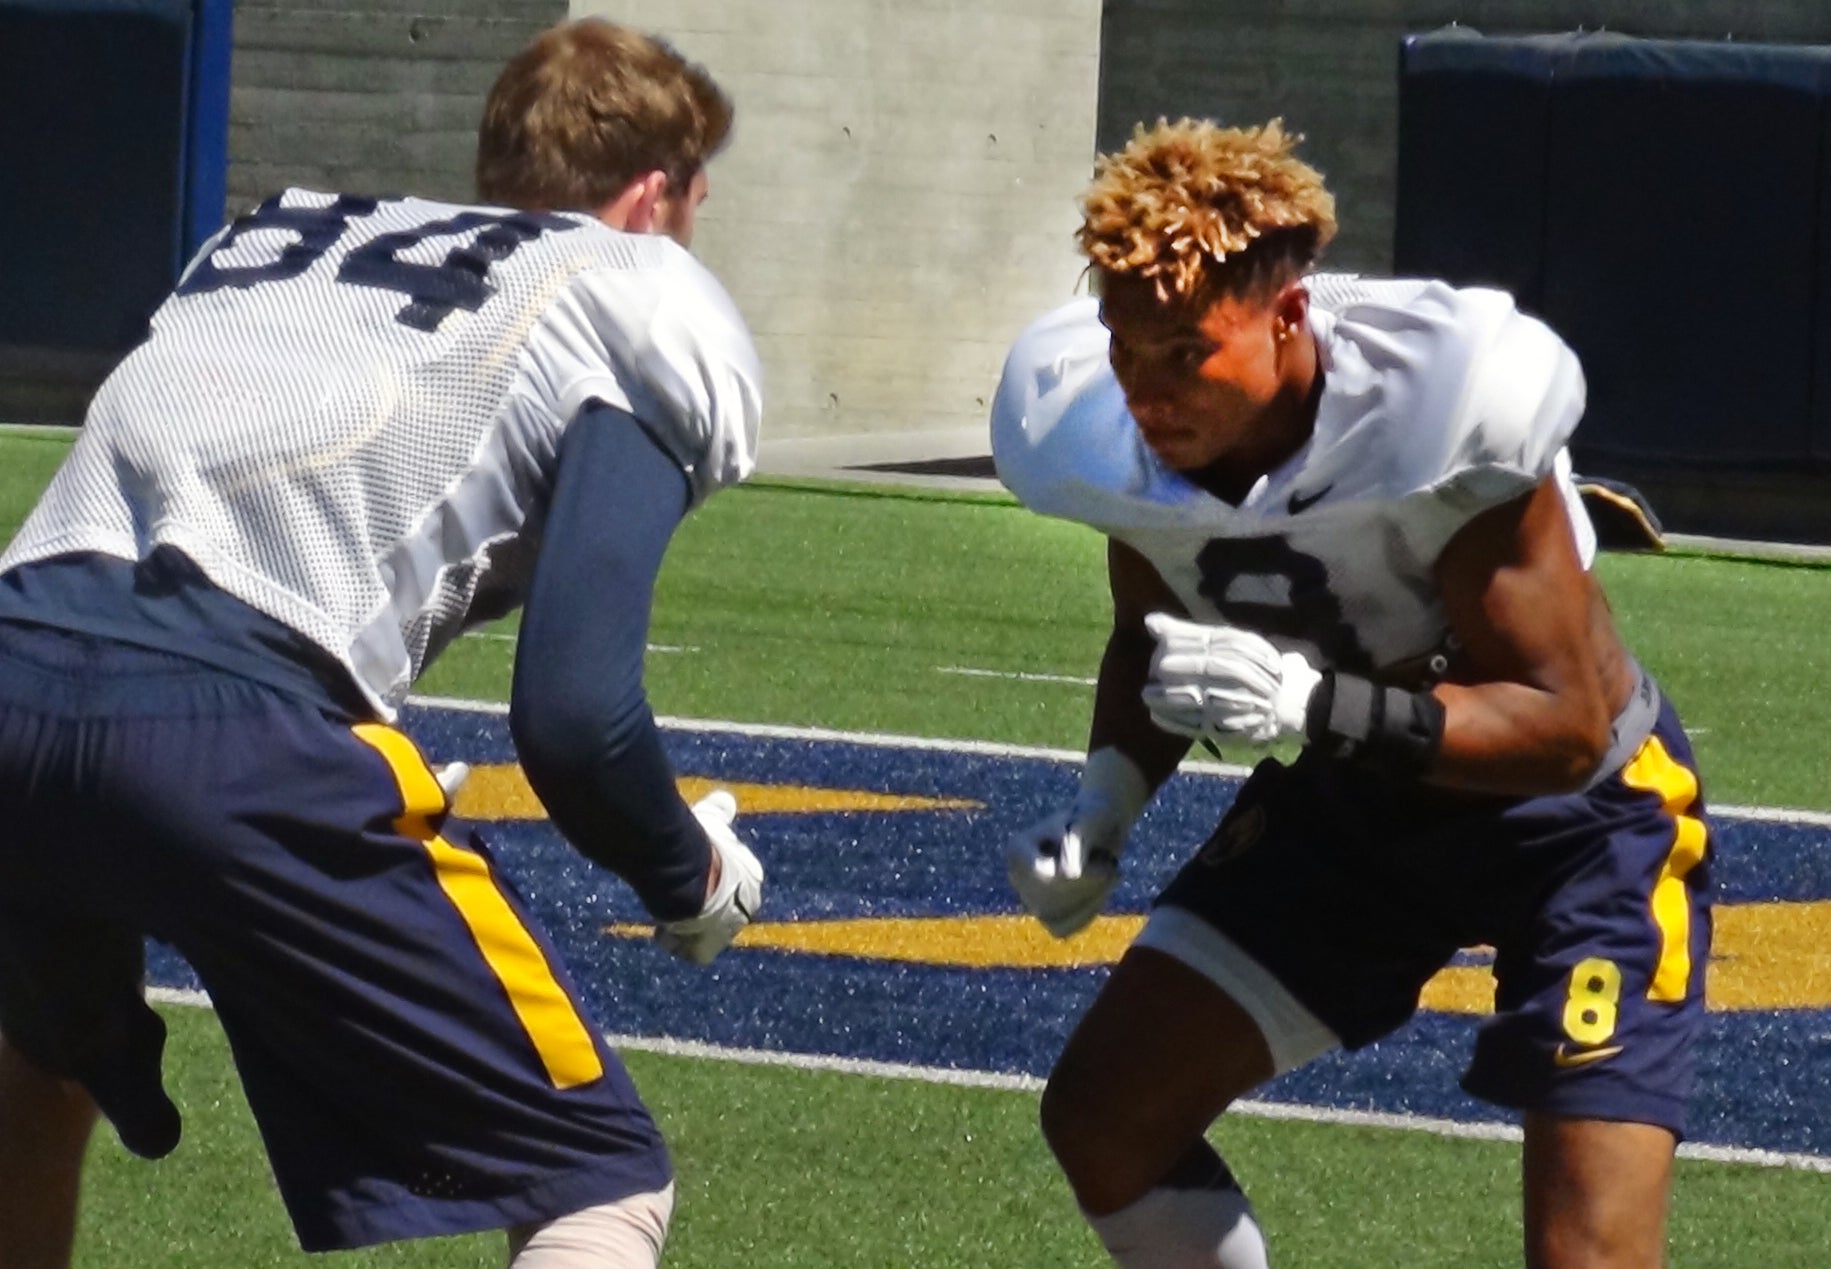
(1771, 956)
(499, 791)
(1766, 955)
(983, 942)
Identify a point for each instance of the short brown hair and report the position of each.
(1192, 206)
(587, 108)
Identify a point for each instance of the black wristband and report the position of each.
(1386, 728)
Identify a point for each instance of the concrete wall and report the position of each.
(897, 201)
(1330, 67)
(373, 96)
(898, 198)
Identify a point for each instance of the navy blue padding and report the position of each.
(1681, 231)
(1474, 124)
(1659, 202)
(92, 128)
(206, 136)
(1819, 438)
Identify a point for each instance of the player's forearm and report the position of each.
(1519, 741)
(607, 786)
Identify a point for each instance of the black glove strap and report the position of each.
(1385, 728)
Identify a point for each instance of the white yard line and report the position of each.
(1774, 814)
(1015, 674)
(770, 731)
(494, 637)
(1030, 1084)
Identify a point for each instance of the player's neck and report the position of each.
(1284, 428)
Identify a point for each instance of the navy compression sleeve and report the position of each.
(580, 718)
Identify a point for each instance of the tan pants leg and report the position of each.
(628, 1234)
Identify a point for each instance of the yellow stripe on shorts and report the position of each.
(1653, 770)
(559, 1035)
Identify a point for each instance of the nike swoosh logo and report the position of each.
(1567, 1057)
(1299, 504)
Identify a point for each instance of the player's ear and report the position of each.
(1290, 309)
(635, 206)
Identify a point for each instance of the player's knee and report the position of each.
(627, 1234)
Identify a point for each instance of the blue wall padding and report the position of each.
(1480, 218)
(1659, 203)
(206, 142)
(1820, 267)
(96, 143)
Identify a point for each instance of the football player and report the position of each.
(360, 425)
(1339, 512)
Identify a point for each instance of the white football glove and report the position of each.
(1064, 865)
(733, 904)
(1223, 684)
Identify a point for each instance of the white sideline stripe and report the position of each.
(1030, 1084)
(1020, 675)
(773, 731)
(61, 430)
(494, 637)
(1774, 815)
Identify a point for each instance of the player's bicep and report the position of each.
(1516, 595)
(1526, 706)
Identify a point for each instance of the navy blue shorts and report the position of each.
(412, 1047)
(1596, 904)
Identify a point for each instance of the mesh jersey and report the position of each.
(1437, 403)
(348, 413)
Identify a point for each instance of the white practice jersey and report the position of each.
(349, 412)
(1437, 403)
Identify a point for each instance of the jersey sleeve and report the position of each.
(1521, 397)
(583, 729)
(661, 339)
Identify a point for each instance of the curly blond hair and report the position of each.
(1192, 205)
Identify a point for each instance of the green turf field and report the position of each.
(845, 608)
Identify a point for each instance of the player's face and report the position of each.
(1198, 377)
(677, 214)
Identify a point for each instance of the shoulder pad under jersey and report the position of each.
(657, 335)
(1062, 438)
(1430, 387)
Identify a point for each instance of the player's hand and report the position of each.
(1065, 864)
(735, 897)
(1221, 683)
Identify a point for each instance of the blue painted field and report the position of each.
(1766, 1070)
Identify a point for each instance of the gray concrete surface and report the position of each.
(898, 199)
(367, 96)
